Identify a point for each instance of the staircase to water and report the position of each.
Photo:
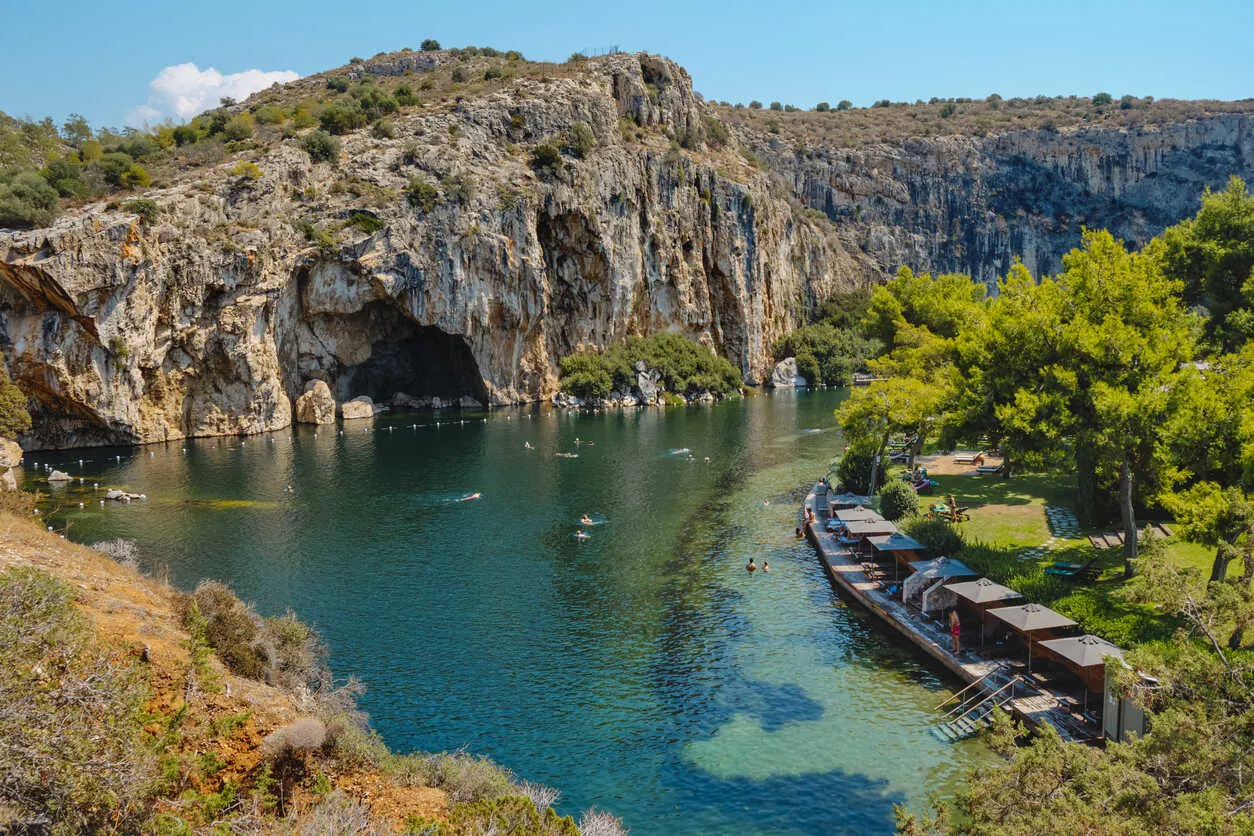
(974, 709)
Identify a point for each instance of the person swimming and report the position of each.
(751, 567)
(527, 445)
(581, 535)
(766, 566)
(586, 520)
(470, 496)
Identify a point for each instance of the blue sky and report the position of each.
(99, 59)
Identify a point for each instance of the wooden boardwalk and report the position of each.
(1033, 704)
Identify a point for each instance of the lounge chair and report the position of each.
(969, 458)
(989, 469)
(1086, 572)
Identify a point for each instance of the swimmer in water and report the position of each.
(751, 567)
(766, 567)
(527, 445)
(470, 496)
(581, 534)
(585, 520)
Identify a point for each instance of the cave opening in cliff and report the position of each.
(421, 361)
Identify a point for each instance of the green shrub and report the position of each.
(941, 536)
(14, 417)
(383, 129)
(231, 627)
(66, 176)
(339, 83)
(239, 127)
(716, 133)
(585, 374)
(421, 194)
(510, 814)
(458, 75)
(468, 779)
(246, 170)
(113, 166)
(492, 72)
(844, 105)
(430, 45)
(270, 115)
(146, 208)
(324, 238)
(1102, 99)
(898, 500)
(136, 177)
(26, 200)
(342, 116)
(546, 157)
(576, 57)
(459, 187)
(321, 146)
(580, 140)
(366, 222)
(822, 107)
(854, 470)
(405, 96)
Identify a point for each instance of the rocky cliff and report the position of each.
(215, 315)
(973, 204)
(213, 318)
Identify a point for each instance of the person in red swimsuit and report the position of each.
(955, 628)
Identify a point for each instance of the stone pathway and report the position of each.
(1063, 525)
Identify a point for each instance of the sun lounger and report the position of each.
(1087, 572)
(989, 469)
(969, 458)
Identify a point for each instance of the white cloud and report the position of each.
(183, 90)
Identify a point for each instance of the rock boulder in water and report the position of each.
(60, 476)
(316, 405)
(785, 374)
(359, 407)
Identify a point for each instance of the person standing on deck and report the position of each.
(955, 628)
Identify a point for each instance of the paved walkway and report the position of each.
(1063, 525)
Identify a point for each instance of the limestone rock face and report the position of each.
(785, 374)
(973, 204)
(359, 407)
(316, 405)
(210, 319)
(10, 454)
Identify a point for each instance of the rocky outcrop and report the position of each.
(785, 375)
(213, 318)
(316, 405)
(359, 407)
(973, 204)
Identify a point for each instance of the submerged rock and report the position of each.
(60, 476)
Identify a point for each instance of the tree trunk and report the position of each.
(917, 447)
(1086, 484)
(1128, 517)
(1219, 569)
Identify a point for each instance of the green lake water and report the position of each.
(641, 670)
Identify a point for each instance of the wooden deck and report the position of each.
(1033, 703)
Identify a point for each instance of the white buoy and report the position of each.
(80, 505)
(96, 485)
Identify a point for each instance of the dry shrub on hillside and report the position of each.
(596, 822)
(281, 651)
(71, 755)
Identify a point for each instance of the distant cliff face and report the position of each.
(971, 205)
(214, 318)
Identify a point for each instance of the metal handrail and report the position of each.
(1011, 684)
(979, 681)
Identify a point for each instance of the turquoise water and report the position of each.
(641, 670)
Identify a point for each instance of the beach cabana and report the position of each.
(859, 529)
(1085, 656)
(981, 595)
(1031, 622)
(839, 501)
(933, 573)
(844, 516)
(898, 546)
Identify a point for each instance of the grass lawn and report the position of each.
(1008, 518)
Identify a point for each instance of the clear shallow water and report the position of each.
(641, 670)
